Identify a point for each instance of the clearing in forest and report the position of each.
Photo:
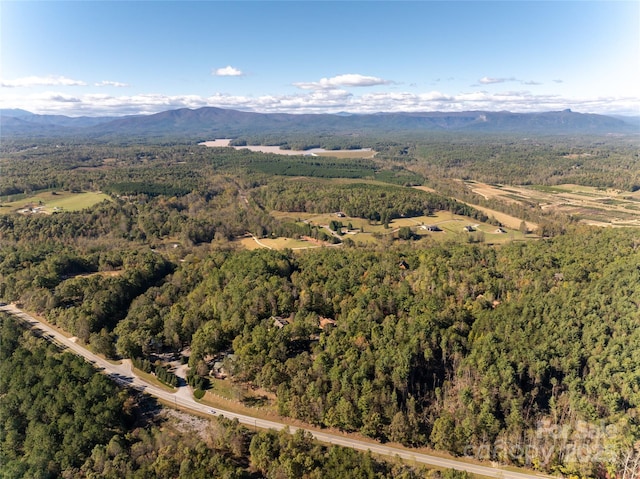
(591, 205)
(52, 201)
(440, 226)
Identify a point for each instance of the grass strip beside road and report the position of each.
(150, 378)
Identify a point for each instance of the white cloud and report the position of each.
(347, 80)
(317, 101)
(62, 98)
(435, 96)
(489, 80)
(111, 83)
(32, 81)
(227, 71)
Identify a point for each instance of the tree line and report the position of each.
(453, 346)
(464, 346)
(59, 418)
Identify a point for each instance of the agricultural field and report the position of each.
(507, 220)
(451, 228)
(51, 201)
(594, 206)
(251, 243)
(366, 153)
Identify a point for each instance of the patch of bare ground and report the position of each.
(425, 188)
(185, 422)
(117, 272)
(490, 191)
(219, 143)
(357, 153)
(507, 220)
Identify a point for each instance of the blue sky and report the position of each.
(121, 57)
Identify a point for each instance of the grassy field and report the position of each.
(452, 227)
(348, 154)
(276, 243)
(52, 201)
(362, 231)
(598, 206)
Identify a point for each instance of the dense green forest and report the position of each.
(61, 418)
(604, 161)
(456, 346)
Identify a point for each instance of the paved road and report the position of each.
(123, 374)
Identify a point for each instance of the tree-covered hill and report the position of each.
(462, 346)
(457, 346)
(221, 123)
(59, 418)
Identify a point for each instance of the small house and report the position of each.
(219, 369)
(324, 322)
(279, 322)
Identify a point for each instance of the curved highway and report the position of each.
(124, 374)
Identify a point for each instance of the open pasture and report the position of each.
(591, 205)
(451, 227)
(52, 201)
(365, 153)
(250, 242)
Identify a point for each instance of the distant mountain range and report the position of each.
(209, 123)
